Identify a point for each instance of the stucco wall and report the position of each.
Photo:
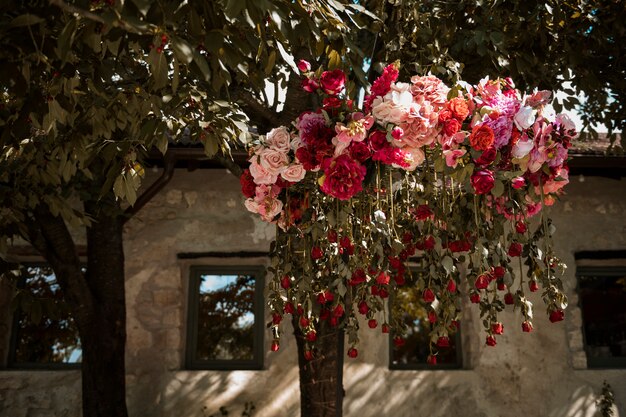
(539, 374)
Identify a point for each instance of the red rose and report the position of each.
(497, 328)
(520, 227)
(451, 126)
(343, 177)
(429, 243)
(328, 296)
(275, 346)
(459, 246)
(378, 140)
(443, 342)
(311, 336)
(499, 271)
(363, 307)
(333, 82)
(431, 360)
(285, 282)
(481, 138)
(383, 293)
(557, 315)
(518, 182)
(483, 181)
(385, 328)
(451, 287)
(487, 157)
(353, 353)
(248, 187)
(508, 299)
(308, 355)
(527, 326)
(332, 236)
(338, 311)
(304, 322)
(399, 279)
(276, 318)
(382, 279)
(358, 277)
(372, 323)
(309, 85)
(331, 103)
(475, 298)
(398, 341)
(491, 341)
(533, 286)
(360, 151)
(501, 286)
(515, 249)
(316, 253)
(428, 295)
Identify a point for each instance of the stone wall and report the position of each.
(538, 374)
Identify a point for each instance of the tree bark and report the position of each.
(95, 298)
(321, 386)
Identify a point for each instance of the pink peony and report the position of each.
(343, 177)
(431, 89)
(452, 156)
(355, 130)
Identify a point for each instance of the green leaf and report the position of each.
(182, 49)
(25, 20)
(334, 59)
(158, 67)
(270, 63)
(143, 6)
(498, 188)
(66, 39)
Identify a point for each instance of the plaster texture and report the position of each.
(540, 374)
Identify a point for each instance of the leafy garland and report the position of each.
(448, 176)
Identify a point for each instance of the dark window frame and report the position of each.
(601, 271)
(195, 273)
(12, 364)
(415, 366)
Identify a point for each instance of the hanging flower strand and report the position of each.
(449, 176)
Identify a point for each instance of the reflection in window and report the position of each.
(44, 332)
(226, 325)
(409, 307)
(602, 300)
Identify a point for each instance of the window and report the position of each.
(44, 334)
(602, 292)
(225, 323)
(410, 308)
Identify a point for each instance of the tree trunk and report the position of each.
(321, 379)
(103, 337)
(95, 298)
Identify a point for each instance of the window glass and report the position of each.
(413, 354)
(43, 329)
(603, 300)
(226, 325)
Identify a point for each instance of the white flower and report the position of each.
(524, 118)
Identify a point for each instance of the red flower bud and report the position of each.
(304, 66)
(533, 286)
(353, 353)
(431, 360)
(288, 308)
(491, 341)
(300, 310)
(501, 286)
(407, 238)
(497, 328)
(451, 287)
(383, 293)
(338, 311)
(372, 323)
(527, 326)
(428, 295)
(385, 328)
(333, 321)
(398, 341)
(345, 242)
(375, 290)
(332, 236)
(316, 253)
(475, 298)
(520, 227)
(443, 342)
(499, 271)
(311, 336)
(275, 346)
(508, 298)
(429, 243)
(304, 322)
(432, 316)
(276, 318)
(515, 249)
(320, 298)
(308, 355)
(285, 282)
(557, 315)
(363, 307)
(328, 296)
(482, 281)
(382, 279)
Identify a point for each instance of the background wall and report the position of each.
(538, 374)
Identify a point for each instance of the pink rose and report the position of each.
(273, 161)
(293, 173)
(483, 181)
(262, 175)
(333, 82)
(343, 177)
(279, 139)
(518, 182)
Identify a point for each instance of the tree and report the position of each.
(88, 88)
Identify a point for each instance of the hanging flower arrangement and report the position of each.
(436, 184)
